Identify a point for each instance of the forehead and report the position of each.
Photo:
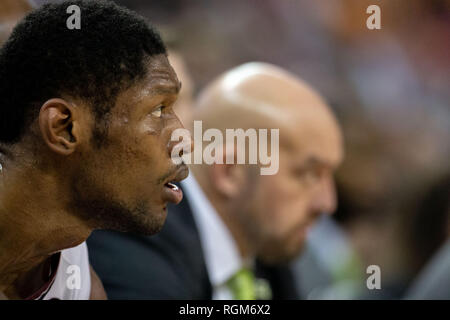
(160, 80)
(160, 75)
(314, 135)
(159, 65)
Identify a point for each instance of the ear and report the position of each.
(58, 126)
(228, 179)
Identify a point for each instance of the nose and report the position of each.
(185, 137)
(325, 200)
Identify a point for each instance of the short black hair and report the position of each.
(44, 59)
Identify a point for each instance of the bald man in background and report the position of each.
(235, 231)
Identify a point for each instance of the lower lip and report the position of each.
(174, 195)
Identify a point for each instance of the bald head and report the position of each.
(260, 95)
(272, 212)
(258, 90)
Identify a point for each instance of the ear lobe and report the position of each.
(56, 122)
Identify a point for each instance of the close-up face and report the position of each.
(285, 206)
(125, 183)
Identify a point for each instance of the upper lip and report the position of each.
(180, 174)
(311, 221)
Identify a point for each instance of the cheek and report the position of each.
(284, 203)
(149, 127)
(130, 167)
(154, 139)
(122, 172)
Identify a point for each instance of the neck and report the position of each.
(233, 225)
(245, 249)
(34, 223)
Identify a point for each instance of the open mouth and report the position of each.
(171, 185)
(171, 192)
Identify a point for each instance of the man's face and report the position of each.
(123, 185)
(284, 206)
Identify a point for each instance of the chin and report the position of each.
(143, 221)
(152, 223)
(282, 253)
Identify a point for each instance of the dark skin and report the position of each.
(57, 185)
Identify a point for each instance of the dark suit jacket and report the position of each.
(169, 265)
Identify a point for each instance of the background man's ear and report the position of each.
(58, 126)
(228, 179)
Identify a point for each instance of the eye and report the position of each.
(309, 176)
(158, 111)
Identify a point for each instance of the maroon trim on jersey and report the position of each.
(40, 294)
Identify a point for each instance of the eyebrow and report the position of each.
(167, 89)
(314, 161)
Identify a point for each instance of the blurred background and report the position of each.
(390, 91)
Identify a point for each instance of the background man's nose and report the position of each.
(325, 198)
